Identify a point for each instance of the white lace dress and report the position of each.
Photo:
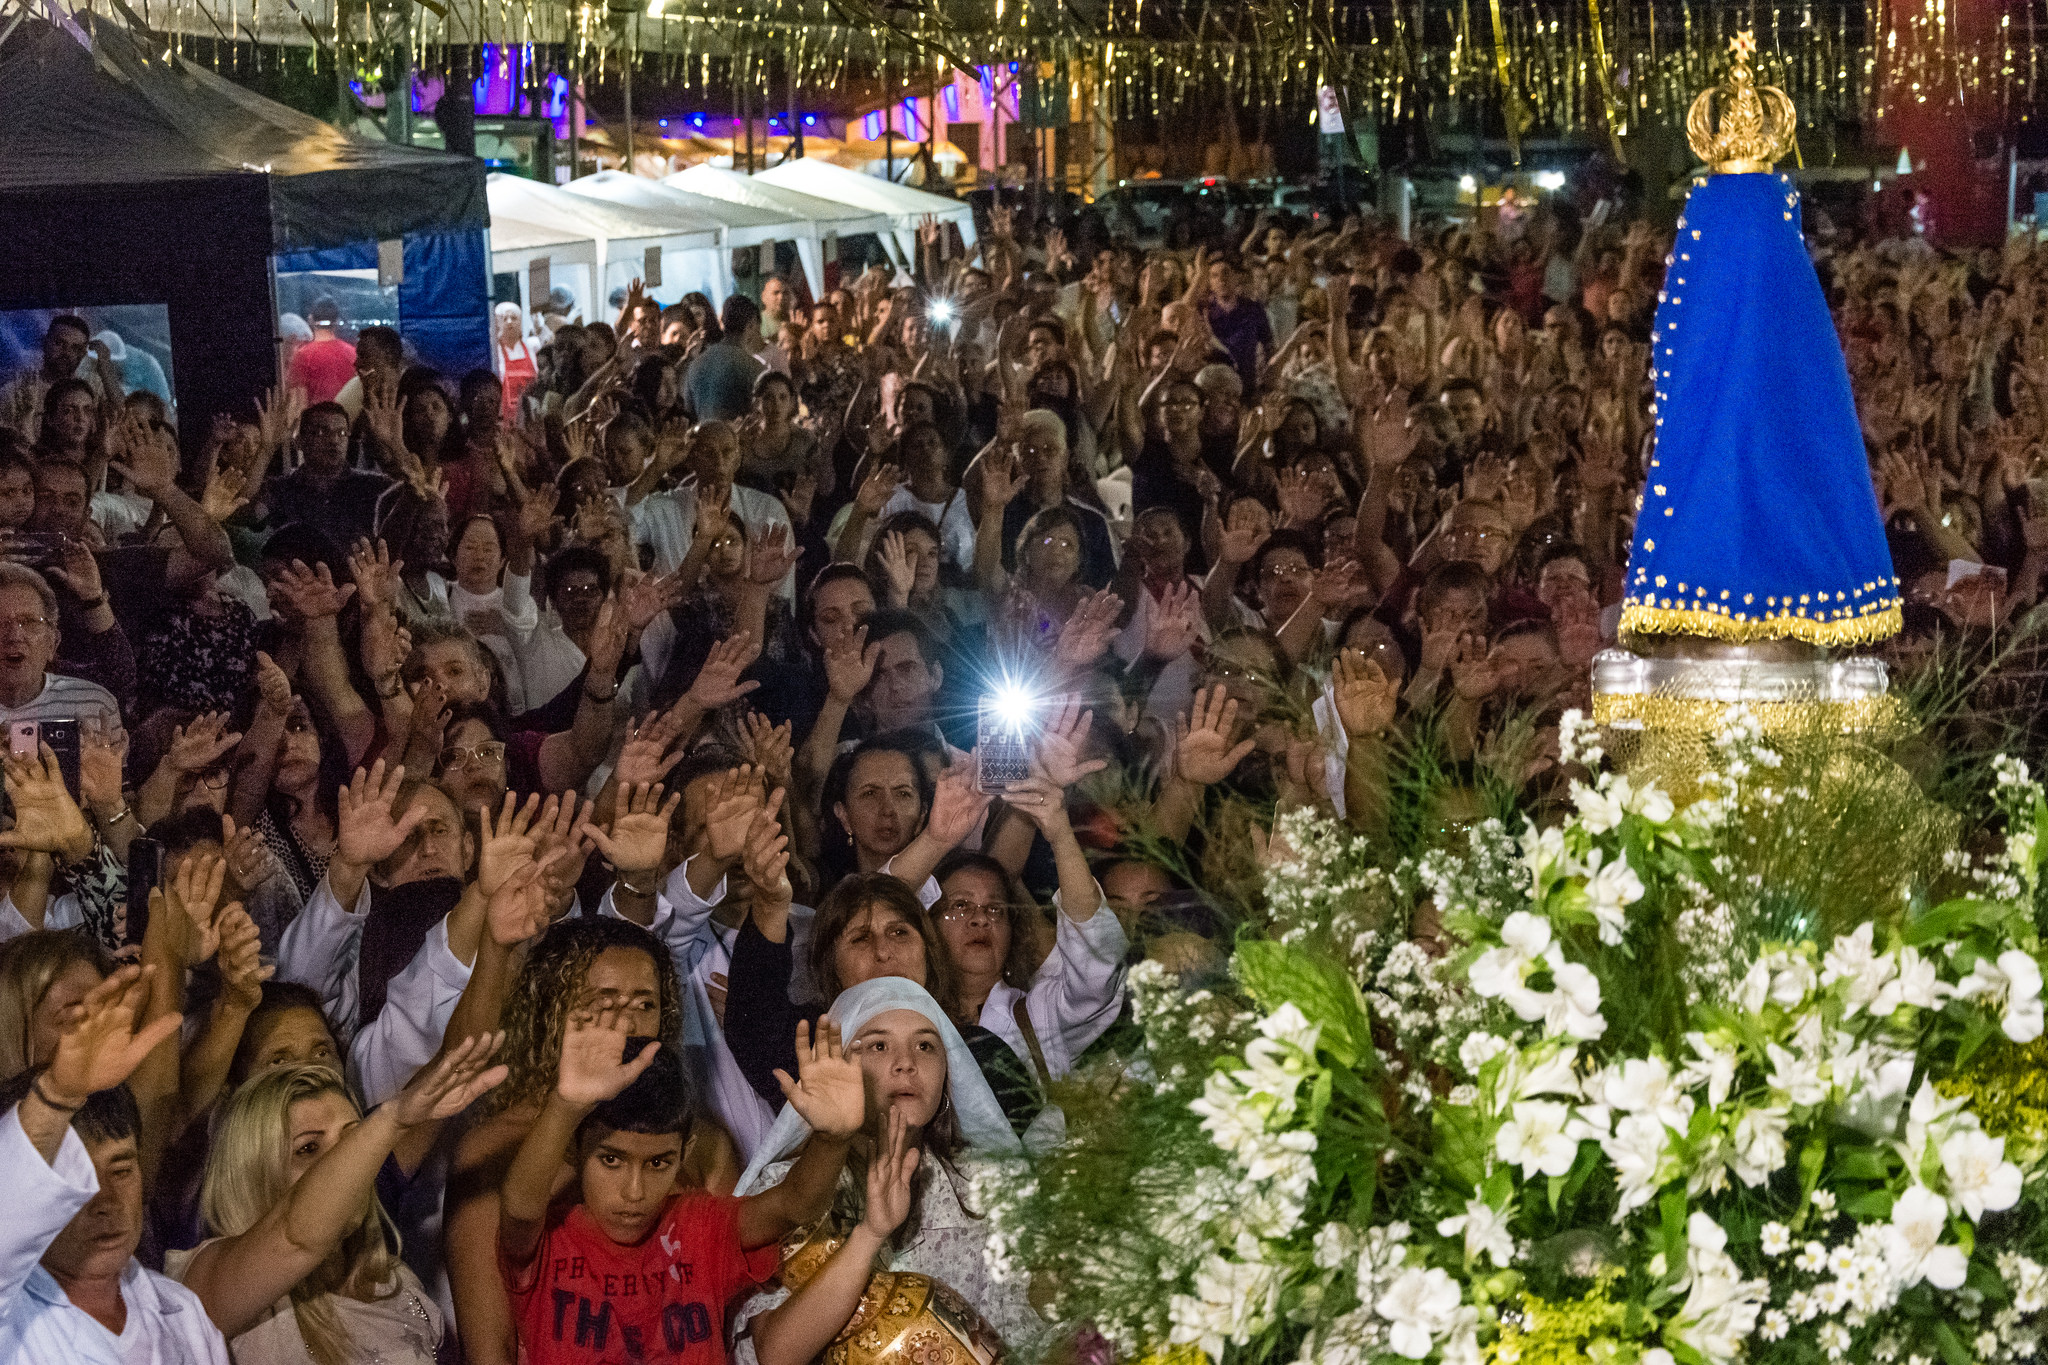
(951, 1247)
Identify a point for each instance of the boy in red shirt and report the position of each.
(640, 1270)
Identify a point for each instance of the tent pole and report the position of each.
(626, 62)
(796, 124)
(575, 102)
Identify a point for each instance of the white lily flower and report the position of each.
(1420, 1306)
(1500, 973)
(1760, 1148)
(1646, 1086)
(1637, 1151)
(2014, 982)
(1714, 1065)
(1574, 1007)
(1797, 1076)
(1855, 960)
(1913, 1249)
(1980, 1179)
(1610, 889)
(1486, 1233)
(1535, 1139)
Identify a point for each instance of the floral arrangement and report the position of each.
(1592, 1106)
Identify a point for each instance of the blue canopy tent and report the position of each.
(136, 177)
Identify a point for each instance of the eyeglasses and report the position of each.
(489, 754)
(1286, 570)
(580, 590)
(25, 624)
(961, 910)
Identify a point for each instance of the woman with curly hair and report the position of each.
(578, 967)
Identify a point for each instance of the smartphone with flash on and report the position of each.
(1002, 742)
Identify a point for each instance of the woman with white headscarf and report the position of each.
(903, 1203)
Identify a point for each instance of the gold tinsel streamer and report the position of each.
(1609, 106)
(1511, 107)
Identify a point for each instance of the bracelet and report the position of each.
(36, 1087)
(93, 605)
(117, 817)
(600, 701)
(632, 890)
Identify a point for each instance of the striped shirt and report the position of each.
(64, 698)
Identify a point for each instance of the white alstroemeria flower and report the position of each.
(1646, 1086)
(1486, 1233)
(1980, 1179)
(1637, 1153)
(1234, 1123)
(1232, 1300)
(1543, 852)
(1913, 1249)
(1601, 807)
(1500, 973)
(1933, 1115)
(1797, 1076)
(1535, 1138)
(1420, 1306)
(1917, 982)
(1480, 1048)
(1760, 1148)
(1610, 889)
(1574, 1007)
(1290, 1026)
(1856, 961)
(1652, 802)
(2014, 982)
(1551, 1073)
(1715, 1062)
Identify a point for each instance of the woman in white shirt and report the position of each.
(493, 594)
(303, 1264)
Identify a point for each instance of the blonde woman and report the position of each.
(304, 1262)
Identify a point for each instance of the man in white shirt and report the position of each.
(666, 522)
(71, 1289)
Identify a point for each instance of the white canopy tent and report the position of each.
(571, 258)
(821, 218)
(689, 250)
(904, 206)
(739, 225)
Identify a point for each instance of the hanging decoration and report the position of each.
(1557, 67)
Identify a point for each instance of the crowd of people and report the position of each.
(519, 863)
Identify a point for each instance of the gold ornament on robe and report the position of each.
(1756, 126)
(903, 1318)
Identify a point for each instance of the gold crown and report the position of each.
(1757, 123)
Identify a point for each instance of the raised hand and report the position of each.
(196, 747)
(1059, 744)
(957, 805)
(648, 596)
(734, 800)
(46, 819)
(1366, 697)
(718, 681)
(192, 899)
(645, 756)
(608, 636)
(877, 488)
(250, 860)
(765, 859)
(98, 1045)
(102, 755)
(830, 1092)
(1203, 753)
(311, 592)
(770, 748)
(1244, 531)
(1089, 629)
(81, 572)
(1176, 622)
(594, 1065)
(771, 556)
(1474, 673)
(518, 910)
(451, 1083)
(999, 480)
(894, 554)
(850, 666)
(152, 464)
(273, 685)
(889, 1175)
(367, 832)
(226, 492)
(1039, 799)
(242, 969)
(507, 843)
(638, 838)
